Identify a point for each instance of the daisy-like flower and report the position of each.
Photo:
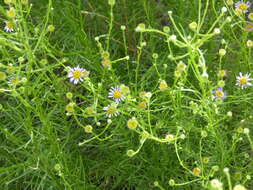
(249, 27)
(77, 74)
(242, 6)
(243, 80)
(116, 93)
(9, 26)
(219, 94)
(111, 110)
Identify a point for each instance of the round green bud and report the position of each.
(130, 153)
(171, 182)
(69, 95)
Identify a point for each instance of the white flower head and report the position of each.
(217, 31)
(77, 74)
(224, 9)
(111, 110)
(9, 26)
(116, 94)
(216, 184)
(173, 38)
(243, 80)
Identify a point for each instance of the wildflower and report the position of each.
(171, 182)
(224, 9)
(216, 184)
(243, 80)
(169, 137)
(142, 105)
(206, 160)
(182, 136)
(242, 6)
(2, 76)
(14, 81)
(249, 43)
(77, 74)
(249, 27)
(11, 13)
(51, 28)
(111, 2)
(222, 52)
(130, 153)
(246, 131)
(107, 63)
(69, 95)
(10, 69)
(181, 66)
(226, 170)
(250, 16)
(116, 94)
(132, 123)
(204, 134)
(163, 85)
(105, 55)
(142, 94)
(217, 31)
(111, 110)
(21, 59)
(9, 26)
(239, 187)
(148, 95)
(8, 1)
(230, 2)
(24, 2)
(166, 29)
(173, 38)
(229, 114)
(155, 55)
(70, 107)
(222, 73)
(140, 28)
(228, 19)
(88, 129)
(123, 27)
(238, 175)
(89, 110)
(169, 12)
(219, 94)
(196, 171)
(193, 25)
(205, 75)
(178, 74)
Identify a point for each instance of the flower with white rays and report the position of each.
(219, 94)
(9, 26)
(111, 110)
(116, 94)
(243, 80)
(77, 74)
(242, 6)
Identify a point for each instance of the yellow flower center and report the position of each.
(117, 94)
(77, 74)
(111, 110)
(132, 123)
(243, 7)
(107, 63)
(11, 13)
(10, 25)
(219, 93)
(243, 81)
(249, 27)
